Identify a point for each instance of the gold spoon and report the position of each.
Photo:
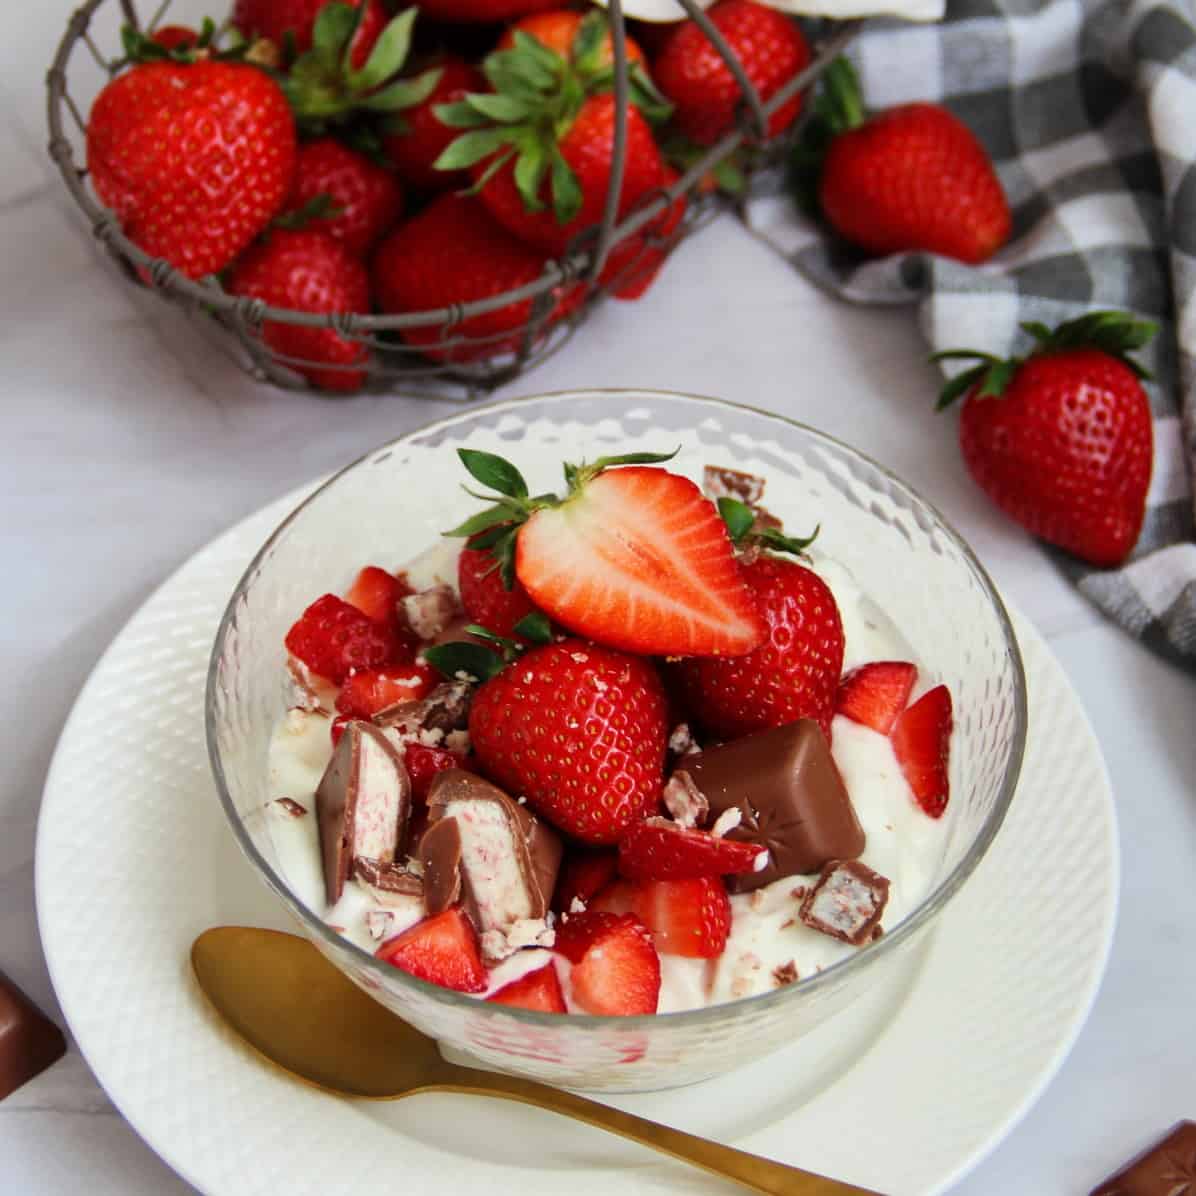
(289, 1003)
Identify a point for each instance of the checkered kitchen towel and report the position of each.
(1088, 108)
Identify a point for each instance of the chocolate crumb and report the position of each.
(291, 806)
(785, 974)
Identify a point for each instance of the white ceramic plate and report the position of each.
(900, 1093)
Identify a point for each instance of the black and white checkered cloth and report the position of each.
(1088, 108)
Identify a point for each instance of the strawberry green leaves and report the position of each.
(837, 107)
(745, 527)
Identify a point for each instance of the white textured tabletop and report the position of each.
(126, 445)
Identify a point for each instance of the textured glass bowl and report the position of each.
(397, 500)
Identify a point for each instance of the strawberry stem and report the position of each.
(838, 106)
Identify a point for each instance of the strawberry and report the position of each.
(283, 20)
(793, 674)
(922, 741)
(337, 727)
(876, 693)
(423, 763)
(541, 147)
(635, 558)
(616, 970)
(658, 849)
(557, 30)
(579, 730)
(686, 917)
(308, 271)
(482, 11)
(539, 990)
(693, 74)
(332, 638)
(366, 692)
(441, 950)
(908, 178)
(583, 874)
(485, 599)
(414, 140)
(194, 160)
(1061, 439)
(377, 593)
(365, 199)
(635, 262)
(454, 252)
(175, 37)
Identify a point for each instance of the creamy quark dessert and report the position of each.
(633, 750)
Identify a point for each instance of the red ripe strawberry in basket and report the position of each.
(308, 271)
(482, 12)
(541, 146)
(276, 19)
(695, 77)
(557, 30)
(342, 193)
(455, 252)
(1060, 440)
(194, 159)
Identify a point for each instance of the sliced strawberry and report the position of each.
(332, 638)
(582, 874)
(365, 693)
(658, 849)
(637, 558)
(686, 917)
(441, 950)
(922, 740)
(423, 763)
(876, 693)
(485, 599)
(540, 990)
(616, 970)
(376, 593)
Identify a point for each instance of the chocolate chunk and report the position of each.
(363, 804)
(29, 1041)
(290, 807)
(508, 861)
(790, 797)
(430, 611)
(846, 902)
(684, 800)
(1166, 1169)
(785, 974)
(388, 884)
(720, 482)
(440, 855)
(445, 709)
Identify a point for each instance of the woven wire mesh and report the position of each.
(456, 363)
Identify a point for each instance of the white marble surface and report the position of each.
(126, 445)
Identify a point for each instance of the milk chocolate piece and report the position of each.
(846, 902)
(363, 804)
(790, 797)
(1166, 1169)
(508, 860)
(387, 879)
(29, 1041)
(440, 855)
(430, 611)
(718, 481)
(445, 709)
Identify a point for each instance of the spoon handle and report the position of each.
(750, 1170)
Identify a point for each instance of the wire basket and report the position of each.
(436, 367)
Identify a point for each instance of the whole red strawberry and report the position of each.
(418, 137)
(454, 252)
(1061, 440)
(366, 198)
(793, 674)
(308, 271)
(908, 178)
(578, 730)
(693, 74)
(484, 596)
(194, 159)
(276, 19)
(483, 12)
(635, 263)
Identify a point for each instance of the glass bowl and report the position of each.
(395, 501)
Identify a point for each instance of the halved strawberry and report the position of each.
(658, 849)
(635, 557)
(485, 598)
(540, 990)
(616, 970)
(365, 693)
(376, 593)
(922, 741)
(423, 763)
(876, 693)
(686, 917)
(441, 950)
(582, 874)
(332, 638)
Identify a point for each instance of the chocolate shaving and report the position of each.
(290, 806)
(846, 902)
(785, 974)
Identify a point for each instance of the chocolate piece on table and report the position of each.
(440, 856)
(509, 859)
(29, 1041)
(846, 902)
(1168, 1168)
(445, 709)
(363, 804)
(790, 797)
